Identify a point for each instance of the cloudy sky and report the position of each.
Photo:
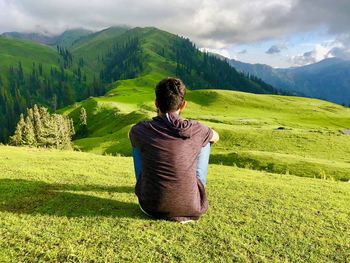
(280, 33)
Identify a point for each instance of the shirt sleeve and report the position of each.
(133, 136)
(205, 134)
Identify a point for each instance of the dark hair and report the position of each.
(170, 93)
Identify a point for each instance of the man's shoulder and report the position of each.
(198, 125)
(140, 124)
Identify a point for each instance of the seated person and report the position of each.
(171, 158)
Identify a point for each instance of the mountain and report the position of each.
(66, 39)
(69, 37)
(162, 52)
(36, 37)
(328, 79)
(79, 64)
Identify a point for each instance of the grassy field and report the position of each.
(13, 51)
(80, 207)
(278, 134)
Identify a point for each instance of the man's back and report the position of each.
(169, 146)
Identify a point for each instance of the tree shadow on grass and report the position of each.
(37, 197)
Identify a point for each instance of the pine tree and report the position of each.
(54, 102)
(28, 133)
(17, 138)
(71, 127)
(83, 122)
(83, 116)
(40, 129)
(37, 124)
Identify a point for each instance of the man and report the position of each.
(171, 158)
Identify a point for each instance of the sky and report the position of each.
(280, 33)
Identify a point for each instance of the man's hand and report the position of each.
(215, 137)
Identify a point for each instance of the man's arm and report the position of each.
(215, 138)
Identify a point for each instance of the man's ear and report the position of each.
(156, 104)
(183, 105)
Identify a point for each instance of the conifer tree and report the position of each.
(54, 102)
(83, 116)
(28, 132)
(71, 127)
(17, 138)
(38, 127)
(83, 122)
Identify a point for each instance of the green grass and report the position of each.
(13, 51)
(278, 134)
(79, 207)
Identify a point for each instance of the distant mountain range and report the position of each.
(328, 79)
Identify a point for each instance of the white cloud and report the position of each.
(319, 53)
(222, 52)
(216, 24)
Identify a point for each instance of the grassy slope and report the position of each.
(69, 37)
(69, 206)
(308, 143)
(97, 44)
(14, 50)
(263, 132)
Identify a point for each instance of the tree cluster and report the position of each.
(122, 61)
(66, 55)
(39, 128)
(203, 70)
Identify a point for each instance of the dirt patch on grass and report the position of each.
(346, 132)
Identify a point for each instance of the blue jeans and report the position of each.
(202, 163)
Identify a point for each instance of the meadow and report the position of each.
(60, 206)
(278, 134)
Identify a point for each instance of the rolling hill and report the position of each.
(162, 53)
(328, 79)
(280, 134)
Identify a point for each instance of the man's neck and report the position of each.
(161, 114)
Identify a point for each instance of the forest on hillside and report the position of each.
(60, 86)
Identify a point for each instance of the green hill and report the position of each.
(35, 73)
(279, 134)
(69, 37)
(12, 51)
(98, 43)
(68, 206)
(66, 39)
(160, 52)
